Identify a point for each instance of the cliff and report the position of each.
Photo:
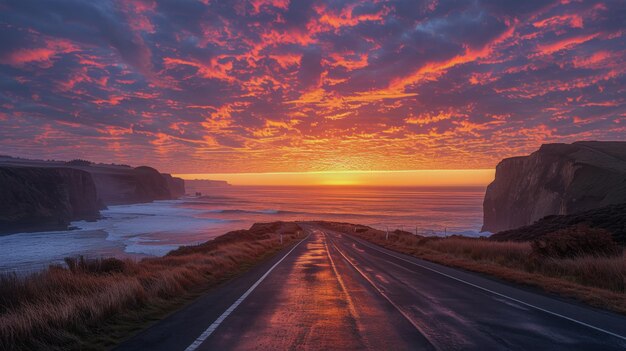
(126, 185)
(36, 198)
(44, 195)
(558, 179)
(175, 185)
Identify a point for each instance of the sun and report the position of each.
(337, 178)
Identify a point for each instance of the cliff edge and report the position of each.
(558, 179)
(47, 195)
(35, 198)
(126, 185)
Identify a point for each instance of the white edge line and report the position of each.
(194, 345)
(353, 311)
(496, 293)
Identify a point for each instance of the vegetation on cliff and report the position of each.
(611, 218)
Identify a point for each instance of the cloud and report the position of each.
(275, 85)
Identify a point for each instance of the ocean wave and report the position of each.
(283, 212)
(214, 201)
(252, 211)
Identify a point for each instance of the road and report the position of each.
(336, 292)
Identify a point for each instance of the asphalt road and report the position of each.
(336, 292)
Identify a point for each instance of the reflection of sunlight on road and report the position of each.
(312, 307)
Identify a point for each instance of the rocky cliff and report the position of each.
(126, 185)
(558, 179)
(175, 185)
(44, 195)
(37, 198)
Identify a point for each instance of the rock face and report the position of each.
(46, 195)
(35, 198)
(558, 179)
(175, 185)
(125, 185)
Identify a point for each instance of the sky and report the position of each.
(297, 86)
(429, 178)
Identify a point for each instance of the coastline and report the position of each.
(157, 227)
(138, 292)
(122, 296)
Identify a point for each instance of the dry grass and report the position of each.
(78, 307)
(599, 280)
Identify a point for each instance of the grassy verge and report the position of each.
(595, 280)
(92, 304)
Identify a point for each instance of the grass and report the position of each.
(610, 218)
(598, 279)
(92, 304)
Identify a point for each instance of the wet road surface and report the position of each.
(336, 292)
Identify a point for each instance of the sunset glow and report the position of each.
(282, 86)
(474, 177)
(312, 175)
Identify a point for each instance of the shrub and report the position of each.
(78, 162)
(576, 241)
(98, 266)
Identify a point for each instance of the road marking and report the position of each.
(496, 293)
(232, 307)
(404, 314)
(341, 283)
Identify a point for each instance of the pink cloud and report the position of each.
(43, 56)
(564, 44)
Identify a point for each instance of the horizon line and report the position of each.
(420, 177)
(343, 171)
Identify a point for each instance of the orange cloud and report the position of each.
(112, 100)
(350, 62)
(287, 60)
(573, 20)
(568, 43)
(429, 118)
(345, 18)
(432, 70)
(268, 85)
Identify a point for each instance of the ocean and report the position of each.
(153, 229)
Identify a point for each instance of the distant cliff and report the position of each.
(206, 183)
(41, 195)
(176, 185)
(125, 185)
(202, 186)
(558, 179)
(37, 198)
